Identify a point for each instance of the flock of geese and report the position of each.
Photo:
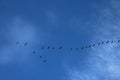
(71, 49)
(34, 52)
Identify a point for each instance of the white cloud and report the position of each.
(19, 30)
(104, 63)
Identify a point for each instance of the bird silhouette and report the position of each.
(118, 41)
(17, 42)
(26, 44)
(93, 45)
(99, 43)
(89, 46)
(82, 48)
(34, 52)
(40, 56)
(42, 48)
(76, 49)
(102, 43)
(53, 48)
(44, 61)
(71, 49)
(48, 47)
(112, 41)
(86, 47)
(107, 42)
(60, 47)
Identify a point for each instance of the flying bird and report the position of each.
(25, 44)
(34, 52)
(89, 46)
(53, 48)
(99, 43)
(71, 49)
(60, 47)
(82, 48)
(42, 48)
(102, 43)
(93, 45)
(111, 41)
(48, 47)
(118, 41)
(17, 42)
(40, 56)
(44, 61)
(76, 49)
(107, 42)
(86, 47)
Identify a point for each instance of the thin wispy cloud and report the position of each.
(103, 62)
(18, 30)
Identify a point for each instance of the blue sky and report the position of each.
(55, 23)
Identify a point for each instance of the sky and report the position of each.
(55, 23)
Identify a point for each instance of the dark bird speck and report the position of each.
(102, 43)
(112, 41)
(44, 61)
(34, 52)
(60, 47)
(107, 42)
(86, 47)
(93, 45)
(82, 48)
(53, 48)
(25, 44)
(118, 41)
(40, 56)
(42, 48)
(76, 49)
(89, 46)
(71, 49)
(98, 43)
(17, 42)
(48, 47)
